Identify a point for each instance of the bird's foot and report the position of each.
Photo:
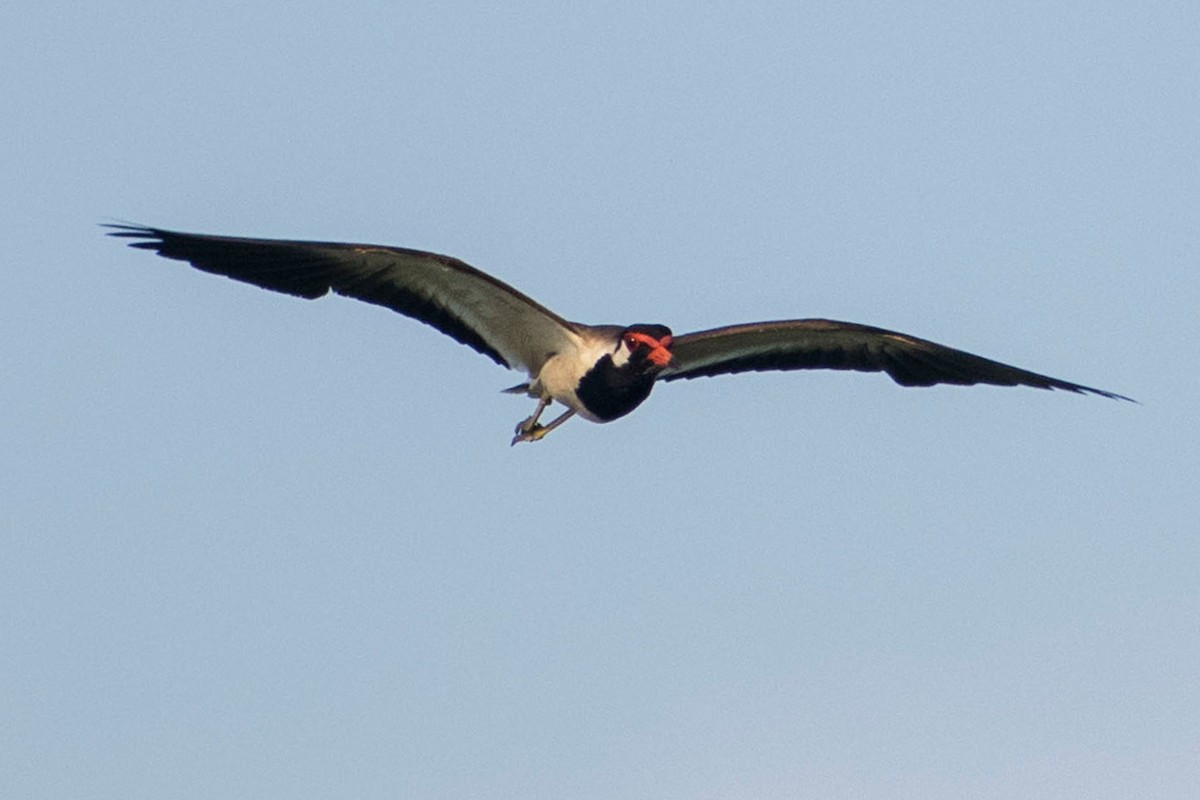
(529, 433)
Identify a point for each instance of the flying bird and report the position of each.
(599, 372)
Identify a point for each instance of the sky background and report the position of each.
(256, 547)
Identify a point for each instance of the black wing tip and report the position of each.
(1077, 389)
(1032, 381)
(150, 238)
(128, 229)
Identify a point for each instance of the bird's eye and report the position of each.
(631, 343)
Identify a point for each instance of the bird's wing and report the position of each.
(460, 301)
(827, 344)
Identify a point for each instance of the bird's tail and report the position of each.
(520, 388)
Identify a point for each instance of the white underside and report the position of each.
(561, 374)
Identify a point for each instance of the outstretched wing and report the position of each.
(828, 344)
(462, 302)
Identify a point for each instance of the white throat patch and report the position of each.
(621, 357)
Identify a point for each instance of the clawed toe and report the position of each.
(530, 434)
(528, 429)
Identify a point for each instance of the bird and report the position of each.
(597, 372)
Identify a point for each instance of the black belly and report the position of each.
(610, 392)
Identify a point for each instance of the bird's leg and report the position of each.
(530, 422)
(536, 432)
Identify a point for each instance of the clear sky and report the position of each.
(257, 547)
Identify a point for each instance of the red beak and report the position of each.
(661, 356)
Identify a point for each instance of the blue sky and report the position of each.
(254, 546)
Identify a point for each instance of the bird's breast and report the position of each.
(562, 373)
(609, 391)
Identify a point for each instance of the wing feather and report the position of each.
(828, 344)
(462, 302)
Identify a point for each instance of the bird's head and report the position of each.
(647, 347)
